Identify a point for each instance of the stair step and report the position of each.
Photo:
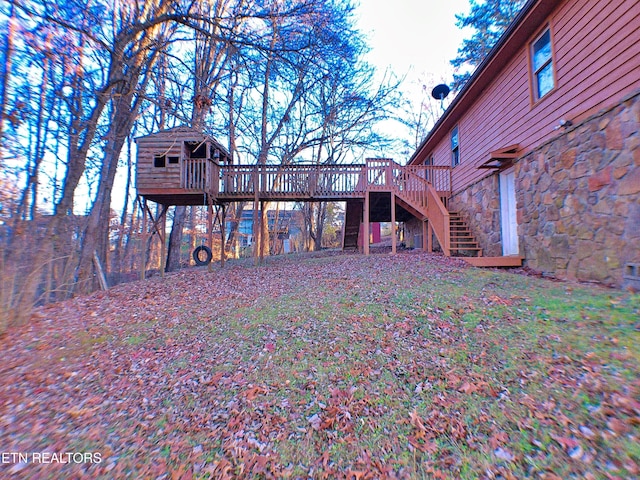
(477, 250)
(461, 235)
(461, 238)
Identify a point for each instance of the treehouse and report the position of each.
(178, 166)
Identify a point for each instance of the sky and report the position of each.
(413, 36)
(415, 40)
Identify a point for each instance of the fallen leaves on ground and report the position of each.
(328, 366)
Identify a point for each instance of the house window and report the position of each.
(159, 161)
(542, 65)
(428, 172)
(174, 160)
(455, 147)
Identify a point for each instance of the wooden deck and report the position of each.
(230, 183)
(421, 191)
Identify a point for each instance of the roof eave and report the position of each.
(527, 22)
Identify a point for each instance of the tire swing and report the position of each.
(201, 251)
(202, 255)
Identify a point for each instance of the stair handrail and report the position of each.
(438, 216)
(412, 188)
(427, 201)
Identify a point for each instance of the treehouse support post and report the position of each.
(144, 239)
(222, 242)
(159, 226)
(162, 234)
(210, 228)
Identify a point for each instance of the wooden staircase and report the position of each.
(410, 189)
(462, 242)
(352, 221)
(464, 245)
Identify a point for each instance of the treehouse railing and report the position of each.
(197, 174)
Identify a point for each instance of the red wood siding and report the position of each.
(596, 61)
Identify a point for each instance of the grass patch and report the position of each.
(344, 365)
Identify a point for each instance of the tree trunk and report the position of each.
(5, 69)
(235, 226)
(320, 217)
(117, 260)
(175, 239)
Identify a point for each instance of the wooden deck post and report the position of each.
(264, 229)
(222, 222)
(429, 237)
(163, 244)
(256, 217)
(210, 222)
(365, 239)
(215, 178)
(143, 253)
(425, 246)
(394, 239)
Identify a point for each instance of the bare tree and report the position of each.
(5, 69)
(212, 52)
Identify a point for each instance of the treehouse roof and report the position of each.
(184, 133)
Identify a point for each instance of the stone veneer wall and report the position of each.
(578, 200)
(479, 205)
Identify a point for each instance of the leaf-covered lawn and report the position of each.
(328, 366)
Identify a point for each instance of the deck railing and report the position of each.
(438, 176)
(291, 181)
(412, 188)
(385, 174)
(312, 181)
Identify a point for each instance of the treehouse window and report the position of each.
(174, 160)
(197, 149)
(542, 62)
(455, 147)
(159, 161)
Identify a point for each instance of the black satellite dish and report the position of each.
(439, 92)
